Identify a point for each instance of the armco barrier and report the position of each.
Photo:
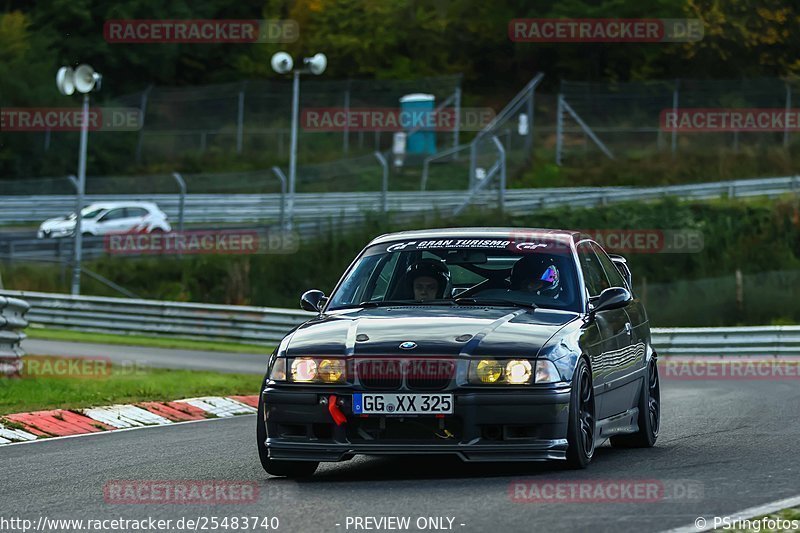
(12, 322)
(315, 207)
(154, 317)
(266, 325)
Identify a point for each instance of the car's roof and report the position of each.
(481, 233)
(112, 205)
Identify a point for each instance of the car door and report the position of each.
(112, 222)
(628, 364)
(612, 335)
(135, 217)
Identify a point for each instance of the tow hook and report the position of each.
(336, 413)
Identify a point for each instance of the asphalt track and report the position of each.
(735, 440)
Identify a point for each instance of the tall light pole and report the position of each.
(83, 79)
(282, 63)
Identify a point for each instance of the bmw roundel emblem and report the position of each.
(408, 345)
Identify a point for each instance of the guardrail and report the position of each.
(12, 322)
(153, 317)
(313, 207)
(267, 325)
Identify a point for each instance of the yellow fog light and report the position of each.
(331, 370)
(489, 371)
(518, 371)
(304, 369)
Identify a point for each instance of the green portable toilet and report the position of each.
(418, 109)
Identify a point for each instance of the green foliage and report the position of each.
(759, 237)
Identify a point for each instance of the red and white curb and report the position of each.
(24, 427)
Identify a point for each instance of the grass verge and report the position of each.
(46, 385)
(143, 340)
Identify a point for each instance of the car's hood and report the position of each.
(57, 223)
(435, 330)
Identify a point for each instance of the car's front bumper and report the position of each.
(486, 425)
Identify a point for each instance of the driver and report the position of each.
(536, 274)
(428, 278)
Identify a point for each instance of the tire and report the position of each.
(271, 466)
(582, 421)
(649, 413)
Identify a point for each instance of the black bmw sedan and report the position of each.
(493, 344)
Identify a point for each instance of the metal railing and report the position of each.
(265, 325)
(239, 208)
(12, 322)
(153, 317)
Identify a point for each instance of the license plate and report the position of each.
(402, 404)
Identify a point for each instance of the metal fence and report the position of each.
(12, 322)
(264, 325)
(252, 117)
(238, 208)
(625, 118)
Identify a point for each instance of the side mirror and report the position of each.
(612, 298)
(313, 301)
(622, 266)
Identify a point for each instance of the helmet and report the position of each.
(537, 274)
(432, 268)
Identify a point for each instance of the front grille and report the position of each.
(424, 374)
(384, 374)
(429, 374)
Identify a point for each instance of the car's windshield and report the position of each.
(463, 272)
(88, 212)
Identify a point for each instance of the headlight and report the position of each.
(512, 372)
(278, 372)
(304, 369)
(546, 372)
(488, 371)
(518, 371)
(331, 370)
(309, 370)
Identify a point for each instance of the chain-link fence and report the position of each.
(254, 117)
(621, 120)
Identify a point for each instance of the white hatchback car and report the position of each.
(108, 217)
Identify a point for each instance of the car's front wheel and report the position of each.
(581, 428)
(649, 413)
(272, 466)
